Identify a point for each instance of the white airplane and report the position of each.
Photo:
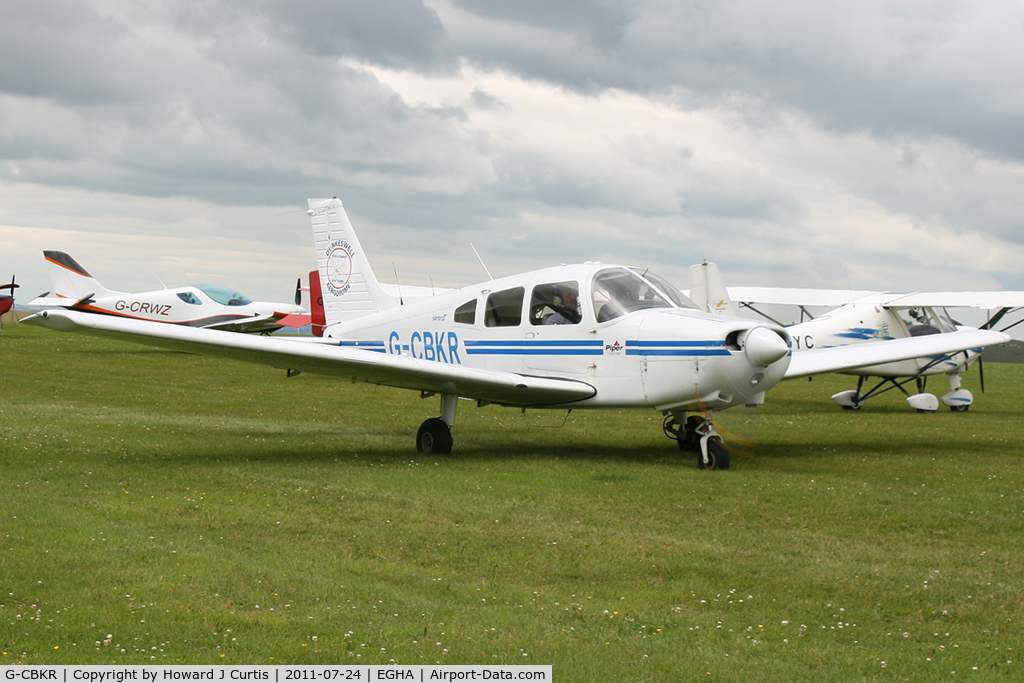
(209, 306)
(630, 340)
(868, 316)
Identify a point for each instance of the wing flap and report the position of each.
(834, 359)
(329, 359)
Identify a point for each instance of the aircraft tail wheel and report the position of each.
(713, 454)
(434, 436)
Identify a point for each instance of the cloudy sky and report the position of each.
(862, 145)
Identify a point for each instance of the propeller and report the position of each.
(981, 373)
(298, 291)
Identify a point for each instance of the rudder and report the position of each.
(707, 289)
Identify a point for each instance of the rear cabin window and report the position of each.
(466, 313)
(505, 308)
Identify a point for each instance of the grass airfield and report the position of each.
(163, 508)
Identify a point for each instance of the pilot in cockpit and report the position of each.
(566, 306)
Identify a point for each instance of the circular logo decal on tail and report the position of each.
(339, 267)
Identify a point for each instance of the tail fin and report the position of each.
(347, 283)
(71, 280)
(707, 289)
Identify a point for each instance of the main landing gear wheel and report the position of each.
(434, 436)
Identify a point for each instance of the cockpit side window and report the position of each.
(505, 308)
(618, 291)
(556, 303)
(189, 298)
(466, 313)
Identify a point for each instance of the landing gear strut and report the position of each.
(958, 399)
(435, 434)
(697, 434)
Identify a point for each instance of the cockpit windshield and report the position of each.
(617, 291)
(223, 295)
(923, 321)
(666, 288)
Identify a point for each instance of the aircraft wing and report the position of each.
(327, 358)
(794, 296)
(986, 300)
(833, 298)
(836, 358)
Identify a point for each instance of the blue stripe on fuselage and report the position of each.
(676, 348)
(529, 347)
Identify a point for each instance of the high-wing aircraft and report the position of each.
(7, 300)
(209, 306)
(628, 339)
(863, 316)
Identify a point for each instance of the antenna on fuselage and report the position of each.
(489, 276)
(399, 283)
(153, 272)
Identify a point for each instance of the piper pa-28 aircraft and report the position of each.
(627, 339)
(859, 317)
(209, 306)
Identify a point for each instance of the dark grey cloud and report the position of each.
(402, 34)
(598, 22)
(233, 102)
(917, 69)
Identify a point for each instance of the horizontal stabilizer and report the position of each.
(296, 320)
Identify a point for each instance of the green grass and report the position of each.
(204, 511)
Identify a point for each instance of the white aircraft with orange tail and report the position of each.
(624, 338)
(210, 306)
(866, 317)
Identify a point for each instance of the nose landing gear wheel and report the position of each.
(718, 456)
(434, 436)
